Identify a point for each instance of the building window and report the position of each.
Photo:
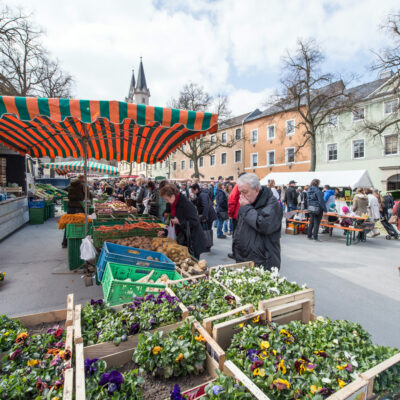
(290, 127)
(223, 158)
(290, 155)
(183, 164)
(223, 137)
(333, 120)
(201, 161)
(238, 134)
(358, 148)
(271, 157)
(391, 106)
(212, 160)
(238, 156)
(254, 159)
(174, 165)
(271, 132)
(332, 152)
(191, 164)
(391, 144)
(358, 114)
(213, 139)
(254, 136)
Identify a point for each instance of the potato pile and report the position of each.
(139, 242)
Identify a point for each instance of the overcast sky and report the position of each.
(229, 46)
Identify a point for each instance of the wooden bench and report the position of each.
(350, 232)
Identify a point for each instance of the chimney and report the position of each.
(386, 74)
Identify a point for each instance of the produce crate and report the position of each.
(77, 231)
(118, 291)
(36, 204)
(100, 237)
(109, 349)
(36, 216)
(74, 254)
(360, 388)
(66, 314)
(117, 360)
(293, 298)
(130, 256)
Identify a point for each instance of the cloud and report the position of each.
(181, 41)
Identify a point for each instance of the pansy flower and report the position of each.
(315, 389)
(280, 384)
(90, 367)
(113, 380)
(256, 364)
(175, 394)
(264, 345)
(21, 337)
(134, 328)
(58, 384)
(179, 358)
(341, 383)
(40, 385)
(347, 367)
(96, 302)
(200, 338)
(264, 336)
(259, 372)
(252, 354)
(256, 320)
(52, 331)
(320, 354)
(32, 363)
(58, 332)
(281, 367)
(156, 350)
(15, 354)
(217, 389)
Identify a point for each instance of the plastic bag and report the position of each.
(88, 251)
(171, 231)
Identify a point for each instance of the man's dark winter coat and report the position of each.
(205, 207)
(291, 196)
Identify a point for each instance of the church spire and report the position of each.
(131, 93)
(141, 81)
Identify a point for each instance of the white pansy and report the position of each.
(304, 286)
(326, 380)
(335, 341)
(321, 318)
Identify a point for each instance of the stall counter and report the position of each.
(13, 214)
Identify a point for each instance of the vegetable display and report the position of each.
(33, 366)
(309, 360)
(129, 227)
(204, 298)
(181, 352)
(253, 284)
(101, 323)
(71, 219)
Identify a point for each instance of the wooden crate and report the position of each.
(106, 350)
(277, 315)
(223, 334)
(67, 314)
(215, 359)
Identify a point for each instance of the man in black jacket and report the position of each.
(291, 199)
(258, 231)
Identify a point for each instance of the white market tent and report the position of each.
(342, 179)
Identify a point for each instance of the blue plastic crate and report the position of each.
(115, 253)
(36, 204)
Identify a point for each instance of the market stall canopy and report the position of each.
(112, 130)
(66, 167)
(340, 179)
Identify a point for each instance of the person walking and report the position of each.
(153, 203)
(316, 207)
(290, 198)
(373, 211)
(222, 210)
(206, 212)
(258, 231)
(360, 203)
(185, 220)
(140, 195)
(271, 185)
(228, 224)
(389, 204)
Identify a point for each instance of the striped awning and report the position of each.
(63, 168)
(113, 130)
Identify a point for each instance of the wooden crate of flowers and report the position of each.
(207, 299)
(36, 354)
(264, 289)
(105, 330)
(160, 362)
(313, 357)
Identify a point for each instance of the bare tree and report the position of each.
(25, 66)
(314, 95)
(221, 107)
(194, 97)
(388, 59)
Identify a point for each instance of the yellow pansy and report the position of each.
(341, 383)
(315, 389)
(241, 325)
(32, 363)
(264, 344)
(256, 320)
(200, 338)
(259, 372)
(179, 358)
(156, 349)
(281, 367)
(274, 352)
(180, 337)
(263, 355)
(6, 333)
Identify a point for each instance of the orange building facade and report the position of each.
(273, 141)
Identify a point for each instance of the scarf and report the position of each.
(173, 206)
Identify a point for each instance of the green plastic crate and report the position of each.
(52, 211)
(118, 291)
(100, 237)
(74, 254)
(77, 231)
(36, 216)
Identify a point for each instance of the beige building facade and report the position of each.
(224, 161)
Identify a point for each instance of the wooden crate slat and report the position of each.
(350, 389)
(237, 265)
(69, 339)
(80, 390)
(207, 322)
(288, 298)
(69, 320)
(77, 324)
(39, 318)
(372, 372)
(282, 310)
(68, 384)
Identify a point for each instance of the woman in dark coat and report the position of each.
(185, 219)
(153, 199)
(316, 207)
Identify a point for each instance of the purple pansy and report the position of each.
(175, 394)
(113, 379)
(252, 355)
(217, 389)
(15, 354)
(96, 302)
(134, 328)
(90, 368)
(53, 330)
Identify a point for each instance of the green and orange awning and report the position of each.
(66, 167)
(111, 130)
